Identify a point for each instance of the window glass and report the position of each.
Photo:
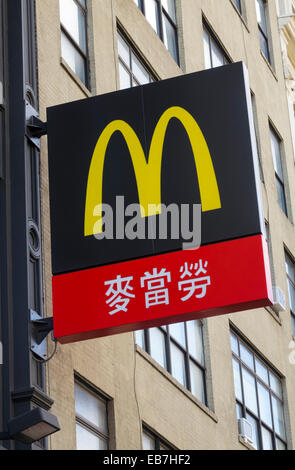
(90, 407)
(87, 440)
(207, 50)
(275, 384)
(278, 416)
(237, 380)
(152, 14)
(158, 348)
(170, 37)
(177, 332)
(148, 442)
(197, 382)
(249, 391)
(125, 78)
(217, 56)
(139, 338)
(247, 356)
(234, 344)
(195, 340)
(266, 439)
(261, 370)
(255, 435)
(73, 58)
(276, 154)
(264, 404)
(123, 50)
(238, 5)
(261, 18)
(73, 19)
(178, 364)
(169, 6)
(140, 73)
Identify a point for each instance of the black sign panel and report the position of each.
(195, 134)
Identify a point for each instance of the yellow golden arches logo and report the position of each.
(148, 173)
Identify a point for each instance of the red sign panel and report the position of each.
(180, 286)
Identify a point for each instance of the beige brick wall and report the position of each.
(140, 389)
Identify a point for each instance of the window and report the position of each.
(277, 161)
(262, 28)
(73, 19)
(132, 72)
(238, 4)
(179, 349)
(290, 270)
(161, 14)
(151, 441)
(214, 55)
(259, 396)
(91, 419)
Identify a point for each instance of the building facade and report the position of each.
(185, 386)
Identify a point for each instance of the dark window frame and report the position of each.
(82, 421)
(188, 357)
(161, 13)
(74, 43)
(258, 380)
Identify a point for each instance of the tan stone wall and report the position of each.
(112, 364)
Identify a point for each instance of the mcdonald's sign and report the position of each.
(185, 142)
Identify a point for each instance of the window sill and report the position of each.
(269, 66)
(274, 315)
(74, 77)
(240, 15)
(246, 444)
(172, 380)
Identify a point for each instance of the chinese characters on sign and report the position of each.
(193, 281)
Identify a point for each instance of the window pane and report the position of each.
(247, 356)
(264, 405)
(152, 14)
(238, 5)
(73, 19)
(158, 349)
(234, 344)
(293, 324)
(139, 338)
(73, 58)
(148, 442)
(291, 294)
(275, 384)
(170, 37)
(261, 370)
(266, 439)
(169, 6)
(264, 46)
(276, 154)
(255, 432)
(91, 408)
(237, 380)
(280, 445)
(290, 268)
(197, 382)
(123, 50)
(125, 78)
(261, 18)
(278, 416)
(208, 64)
(239, 411)
(139, 71)
(177, 332)
(195, 340)
(281, 195)
(178, 364)
(86, 440)
(249, 391)
(217, 56)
